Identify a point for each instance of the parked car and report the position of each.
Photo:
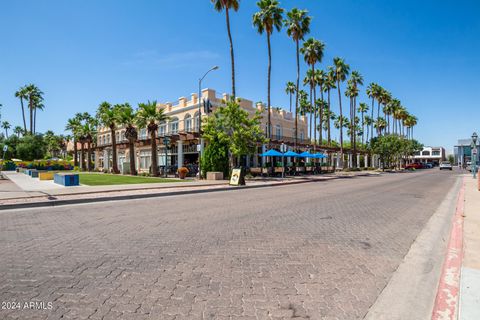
(445, 165)
(429, 165)
(414, 165)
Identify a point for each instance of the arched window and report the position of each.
(122, 135)
(302, 136)
(188, 123)
(162, 129)
(104, 139)
(143, 134)
(174, 125)
(117, 136)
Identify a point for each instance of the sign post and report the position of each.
(5, 149)
(283, 149)
(474, 162)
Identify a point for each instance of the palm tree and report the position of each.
(356, 80)
(329, 85)
(226, 5)
(368, 122)
(362, 109)
(108, 117)
(35, 98)
(73, 125)
(22, 95)
(267, 20)
(380, 124)
(341, 72)
(40, 106)
(290, 89)
(320, 78)
(312, 51)
(148, 115)
(310, 81)
(298, 25)
(6, 125)
(372, 92)
(127, 118)
(18, 131)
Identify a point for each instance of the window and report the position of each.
(195, 116)
(302, 136)
(417, 153)
(435, 153)
(162, 128)
(425, 153)
(145, 159)
(104, 140)
(143, 134)
(174, 126)
(108, 138)
(117, 136)
(122, 135)
(188, 123)
(278, 131)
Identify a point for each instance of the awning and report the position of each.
(272, 153)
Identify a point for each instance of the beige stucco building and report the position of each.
(182, 132)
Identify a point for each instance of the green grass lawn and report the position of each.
(101, 179)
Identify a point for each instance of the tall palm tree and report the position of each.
(290, 89)
(371, 93)
(148, 115)
(108, 117)
(267, 20)
(368, 123)
(6, 125)
(310, 81)
(341, 70)
(18, 131)
(298, 25)
(73, 125)
(312, 51)
(37, 106)
(320, 78)
(228, 5)
(35, 98)
(127, 118)
(22, 95)
(362, 109)
(328, 86)
(356, 79)
(380, 124)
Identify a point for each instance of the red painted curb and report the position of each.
(446, 302)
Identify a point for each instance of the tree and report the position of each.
(108, 117)
(362, 109)
(298, 25)
(232, 127)
(31, 147)
(148, 116)
(215, 157)
(290, 89)
(341, 72)
(328, 86)
(74, 125)
(6, 125)
(35, 98)
(127, 117)
(320, 79)
(88, 133)
(267, 20)
(368, 123)
(372, 90)
(18, 131)
(22, 95)
(312, 51)
(227, 5)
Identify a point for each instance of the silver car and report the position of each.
(445, 165)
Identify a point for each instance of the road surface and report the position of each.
(321, 250)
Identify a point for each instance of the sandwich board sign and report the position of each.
(237, 178)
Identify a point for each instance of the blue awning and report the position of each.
(306, 154)
(272, 153)
(319, 156)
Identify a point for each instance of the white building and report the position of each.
(430, 154)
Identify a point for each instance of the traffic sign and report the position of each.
(5, 148)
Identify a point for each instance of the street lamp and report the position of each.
(200, 118)
(474, 154)
(166, 142)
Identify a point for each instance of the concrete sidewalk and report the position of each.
(469, 304)
(17, 193)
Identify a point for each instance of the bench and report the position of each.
(67, 179)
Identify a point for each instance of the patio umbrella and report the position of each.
(306, 154)
(290, 154)
(319, 156)
(272, 153)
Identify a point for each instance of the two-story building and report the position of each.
(183, 134)
(430, 154)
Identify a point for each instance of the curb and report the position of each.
(446, 301)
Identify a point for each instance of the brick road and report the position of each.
(320, 250)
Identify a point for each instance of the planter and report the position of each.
(182, 174)
(278, 170)
(214, 175)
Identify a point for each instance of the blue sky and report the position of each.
(81, 53)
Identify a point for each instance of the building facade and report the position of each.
(430, 154)
(463, 151)
(182, 130)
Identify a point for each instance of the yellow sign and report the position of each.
(236, 177)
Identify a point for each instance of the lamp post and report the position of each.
(166, 142)
(200, 119)
(474, 154)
